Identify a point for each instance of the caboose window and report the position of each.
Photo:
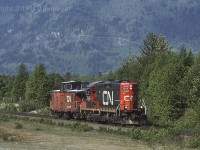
(67, 86)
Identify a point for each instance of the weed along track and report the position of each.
(52, 120)
(149, 134)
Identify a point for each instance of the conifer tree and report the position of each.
(37, 89)
(19, 85)
(54, 81)
(153, 45)
(2, 88)
(130, 70)
(191, 83)
(154, 54)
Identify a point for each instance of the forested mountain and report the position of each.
(89, 36)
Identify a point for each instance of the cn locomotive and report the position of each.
(112, 102)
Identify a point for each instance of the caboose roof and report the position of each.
(69, 82)
(54, 91)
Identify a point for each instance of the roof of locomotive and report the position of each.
(108, 82)
(93, 83)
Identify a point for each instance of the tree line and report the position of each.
(31, 91)
(169, 83)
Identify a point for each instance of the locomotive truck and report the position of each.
(112, 102)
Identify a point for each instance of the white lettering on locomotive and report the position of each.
(69, 100)
(107, 97)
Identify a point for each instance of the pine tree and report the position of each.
(2, 88)
(67, 76)
(153, 45)
(130, 70)
(37, 89)
(54, 80)
(19, 85)
(154, 54)
(191, 83)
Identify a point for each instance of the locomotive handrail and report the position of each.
(144, 105)
(118, 107)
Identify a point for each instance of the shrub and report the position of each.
(81, 127)
(49, 122)
(159, 135)
(120, 131)
(135, 133)
(18, 126)
(4, 118)
(38, 129)
(194, 142)
(10, 107)
(7, 138)
(44, 111)
(61, 124)
(102, 129)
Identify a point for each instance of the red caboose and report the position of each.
(66, 102)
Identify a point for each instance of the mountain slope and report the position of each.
(87, 37)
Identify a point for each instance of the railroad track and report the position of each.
(96, 125)
(25, 114)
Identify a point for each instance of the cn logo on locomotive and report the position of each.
(107, 97)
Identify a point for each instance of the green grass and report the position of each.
(152, 136)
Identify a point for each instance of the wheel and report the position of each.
(143, 120)
(67, 116)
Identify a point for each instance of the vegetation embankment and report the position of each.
(160, 136)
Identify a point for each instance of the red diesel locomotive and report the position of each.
(113, 102)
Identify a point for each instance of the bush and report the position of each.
(81, 127)
(194, 142)
(38, 129)
(7, 138)
(61, 124)
(44, 111)
(18, 126)
(11, 107)
(159, 135)
(102, 129)
(4, 118)
(135, 133)
(49, 122)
